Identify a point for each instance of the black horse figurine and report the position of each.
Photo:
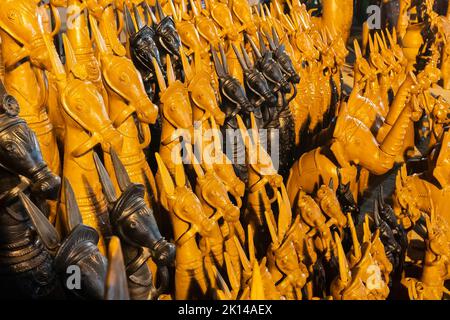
(167, 39)
(256, 87)
(26, 269)
(143, 47)
(133, 223)
(392, 233)
(283, 59)
(78, 249)
(154, 39)
(234, 101)
(281, 124)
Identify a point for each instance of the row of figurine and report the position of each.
(116, 118)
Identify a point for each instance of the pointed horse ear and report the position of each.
(380, 199)
(167, 182)
(48, 234)
(331, 184)
(116, 285)
(180, 174)
(270, 221)
(342, 260)
(129, 23)
(284, 217)
(137, 17)
(354, 235)
(98, 38)
(72, 65)
(358, 51)
(105, 180)
(248, 62)
(262, 44)
(245, 262)
(255, 49)
(376, 213)
(72, 216)
(123, 179)
(224, 59)
(257, 286)
(240, 58)
(149, 13)
(159, 11)
(186, 66)
(272, 45)
(217, 64)
(170, 72)
(276, 38)
(159, 76)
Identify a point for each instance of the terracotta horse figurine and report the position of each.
(131, 112)
(206, 116)
(288, 272)
(78, 35)
(205, 25)
(231, 31)
(435, 269)
(86, 126)
(348, 128)
(22, 36)
(213, 195)
(189, 35)
(263, 181)
(176, 114)
(188, 219)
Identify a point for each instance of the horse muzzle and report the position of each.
(164, 253)
(270, 98)
(295, 78)
(46, 184)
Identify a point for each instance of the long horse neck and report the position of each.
(209, 210)
(82, 165)
(189, 248)
(116, 104)
(168, 144)
(228, 106)
(129, 252)
(168, 128)
(198, 114)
